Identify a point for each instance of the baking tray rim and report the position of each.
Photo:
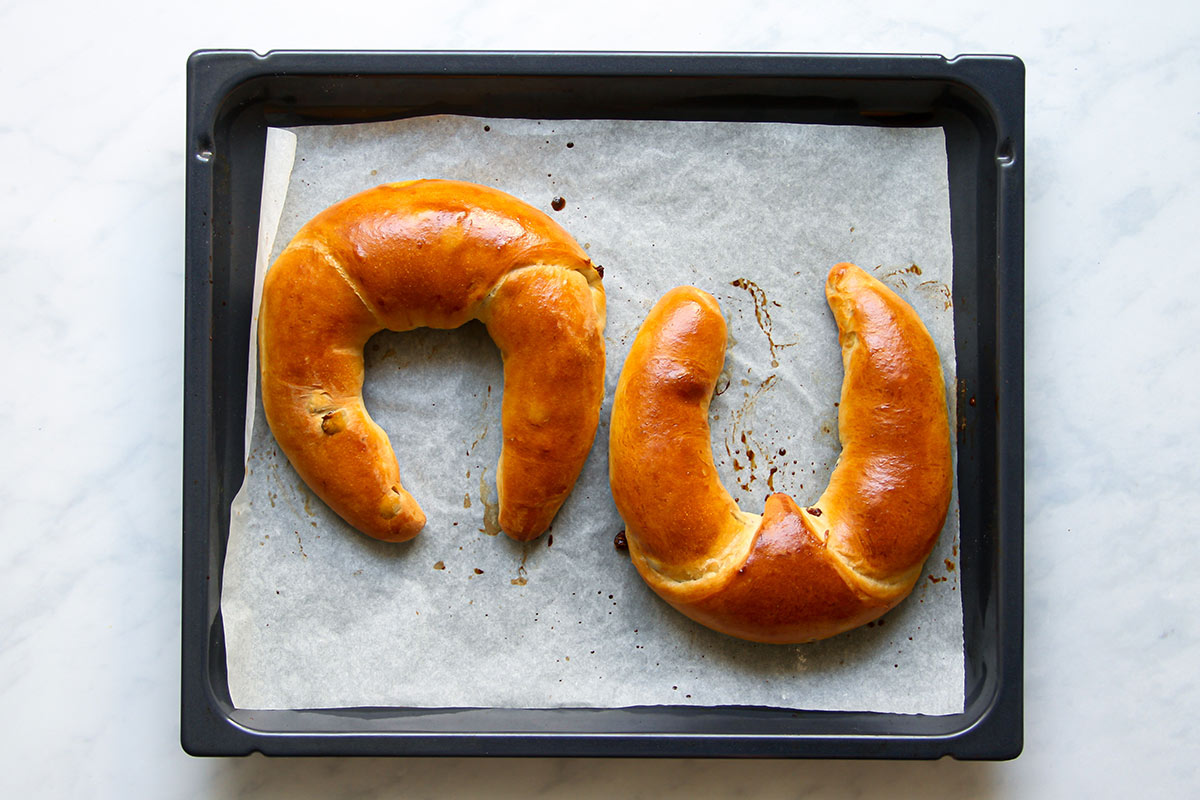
(991, 726)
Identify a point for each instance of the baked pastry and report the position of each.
(792, 574)
(437, 254)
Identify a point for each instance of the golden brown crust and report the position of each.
(553, 388)
(659, 437)
(432, 254)
(792, 575)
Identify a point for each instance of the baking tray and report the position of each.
(233, 96)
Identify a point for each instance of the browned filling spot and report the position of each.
(334, 422)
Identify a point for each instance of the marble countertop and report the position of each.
(92, 136)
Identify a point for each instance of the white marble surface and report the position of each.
(91, 137)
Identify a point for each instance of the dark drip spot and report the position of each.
(761, 314)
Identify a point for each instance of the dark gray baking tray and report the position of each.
(979, 102)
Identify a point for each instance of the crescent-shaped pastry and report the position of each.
(432, 254)
(793, 574)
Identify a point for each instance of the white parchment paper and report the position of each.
(317, 615)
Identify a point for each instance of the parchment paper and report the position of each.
(317, 615)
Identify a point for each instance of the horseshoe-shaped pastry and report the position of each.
(432, 254)
(793, 574)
